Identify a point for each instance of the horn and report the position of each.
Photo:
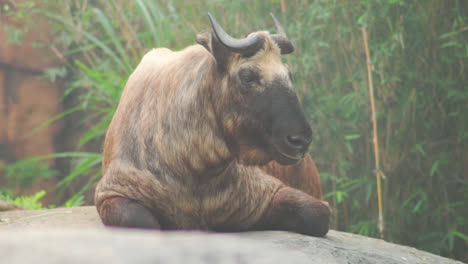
(280, 38)
(247, 46)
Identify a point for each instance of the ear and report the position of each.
(222, 55)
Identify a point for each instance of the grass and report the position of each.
(28, 202)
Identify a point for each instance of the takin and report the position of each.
(212, 137)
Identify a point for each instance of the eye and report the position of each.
(248, 76)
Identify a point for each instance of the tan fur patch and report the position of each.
(267, 60)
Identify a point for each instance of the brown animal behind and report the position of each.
(193, 128)
(303, 175)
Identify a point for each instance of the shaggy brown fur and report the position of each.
(183, 147)
(302, 176)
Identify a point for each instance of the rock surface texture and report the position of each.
(76, 235)
(7, 206)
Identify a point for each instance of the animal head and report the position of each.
(256, 103)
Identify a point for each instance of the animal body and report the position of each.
(198, 135)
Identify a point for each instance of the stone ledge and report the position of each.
(76, 235)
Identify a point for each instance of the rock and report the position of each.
(7, 206)
(27, 102)
(82, 217)
(76, 235)
(124, 246)
(32, 101)
(27, 99)
(33, 52)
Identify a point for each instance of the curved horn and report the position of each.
(280, 38)
(248, 45)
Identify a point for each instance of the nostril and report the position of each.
(297, 141)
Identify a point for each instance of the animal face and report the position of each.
(272, 124)
(260, 114)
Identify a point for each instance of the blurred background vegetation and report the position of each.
(419, 52)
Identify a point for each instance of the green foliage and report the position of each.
(54, 73)
(25, 173)
(418, 53)
(27, 202)
(14, 34)
(75, 200)
(420, 92)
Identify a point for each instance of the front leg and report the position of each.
(123, 212)
(296, 211)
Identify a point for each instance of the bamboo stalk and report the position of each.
(378, 172)
(283, 6)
